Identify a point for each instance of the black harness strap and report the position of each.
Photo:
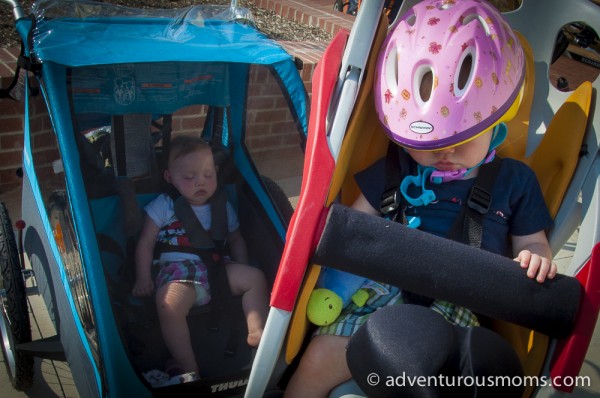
(200, 239)
(397, 166)
(393, 205)
(211, 247)
(118, 130)
(468, 226)
(203, 243)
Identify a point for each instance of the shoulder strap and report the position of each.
(202, 243)
(468, 226)
(397, 166)
(392, 205)
(199, 238)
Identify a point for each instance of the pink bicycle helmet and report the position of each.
(448, 71)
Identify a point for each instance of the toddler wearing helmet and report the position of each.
(449, 74)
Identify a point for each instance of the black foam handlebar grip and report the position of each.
(429, 265)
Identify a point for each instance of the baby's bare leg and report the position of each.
(173, 302)
(322, 368)
(251, 283)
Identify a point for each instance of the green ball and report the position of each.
(324, 307)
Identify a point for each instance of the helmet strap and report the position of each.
(438, 176)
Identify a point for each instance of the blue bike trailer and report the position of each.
(96, 69)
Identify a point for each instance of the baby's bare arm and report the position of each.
(533, 253)
(362, 204)
(144, 252)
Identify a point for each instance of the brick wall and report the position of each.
(11, 124)
(317, 13)
(269, 123)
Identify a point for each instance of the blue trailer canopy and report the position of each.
(84, 36)
(79, 33)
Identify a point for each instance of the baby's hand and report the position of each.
(142, 287)
(538, 267)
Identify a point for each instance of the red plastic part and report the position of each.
(571, 352)
(318, 172)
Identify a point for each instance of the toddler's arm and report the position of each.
(533, 252)
(144, 252)
(362, 204)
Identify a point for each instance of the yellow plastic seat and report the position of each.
(555, 159)
(554, 162)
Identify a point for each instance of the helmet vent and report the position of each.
(445, 6)
(391, 70)
(464, 72)
(410, 20)
(425, 83)
(474, 17)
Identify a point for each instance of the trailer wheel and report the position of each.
(15, 327)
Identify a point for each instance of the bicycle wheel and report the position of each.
(15, 327)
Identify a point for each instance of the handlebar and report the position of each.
(18, 12)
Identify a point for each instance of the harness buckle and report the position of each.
(479, 200)
(390, 201)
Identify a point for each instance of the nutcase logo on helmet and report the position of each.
(421, 127)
